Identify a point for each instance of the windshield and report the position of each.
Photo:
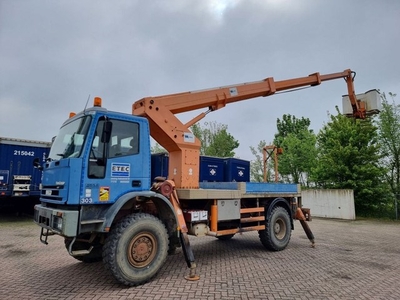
(70, 139)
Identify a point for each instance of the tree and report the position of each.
(157, 148)
(290, 124)
(299, 152)
(348, 158)
(257, 165)
(215, 139)
(389, 135)
(298, 157)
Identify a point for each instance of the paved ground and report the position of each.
(352, 260)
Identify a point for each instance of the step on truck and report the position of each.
(98, 193)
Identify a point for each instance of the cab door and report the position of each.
(116, 164)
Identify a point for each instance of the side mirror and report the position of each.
(36, 163)
(107, 127)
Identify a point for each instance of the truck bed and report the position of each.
(239, 190)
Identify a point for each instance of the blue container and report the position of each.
(211, 169)
(237, 170)
(18, 177)
(159, 165)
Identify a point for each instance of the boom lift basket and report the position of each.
(371, 99)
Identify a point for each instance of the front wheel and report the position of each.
(136, 249)
(276, 235)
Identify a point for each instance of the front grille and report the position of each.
(51, 193)
(47, 192)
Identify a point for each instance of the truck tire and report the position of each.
(276, 235)
(136, 249)
(94, 256)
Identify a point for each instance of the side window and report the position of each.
(124, 139)
(97, 166)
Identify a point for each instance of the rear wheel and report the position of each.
(276, 235)
(136, 249)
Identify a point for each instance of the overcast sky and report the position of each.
(54, 54)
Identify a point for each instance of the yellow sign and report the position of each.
(104, 193)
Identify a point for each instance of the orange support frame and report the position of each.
(214, 217)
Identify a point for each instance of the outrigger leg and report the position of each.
(300, 216)
(167, 188)
(189, 257)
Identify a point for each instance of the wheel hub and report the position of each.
(280, 229)
(142, 250)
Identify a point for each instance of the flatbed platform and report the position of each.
(239, 190)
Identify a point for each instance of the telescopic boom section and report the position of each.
(183, 146)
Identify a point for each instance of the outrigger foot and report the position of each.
(192, 275)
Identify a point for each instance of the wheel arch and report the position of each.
(163, 206)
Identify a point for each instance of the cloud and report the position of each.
(54, 54)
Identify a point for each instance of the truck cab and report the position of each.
(98, 157)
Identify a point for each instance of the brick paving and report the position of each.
(352, 260)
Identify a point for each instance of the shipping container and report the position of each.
(159, 165)
(211, 169)
(18, 177)
(236, 170)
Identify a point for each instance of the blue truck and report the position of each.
(17, 176)
(99, 194)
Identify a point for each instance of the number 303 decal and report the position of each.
(86, 200)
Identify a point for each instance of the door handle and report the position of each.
(136, 183)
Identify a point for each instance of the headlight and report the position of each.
(57, 223)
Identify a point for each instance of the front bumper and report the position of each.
(62, 222)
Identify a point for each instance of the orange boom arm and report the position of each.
(184, 147)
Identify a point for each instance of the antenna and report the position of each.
(87, 101)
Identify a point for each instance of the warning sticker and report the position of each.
(104, 193)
